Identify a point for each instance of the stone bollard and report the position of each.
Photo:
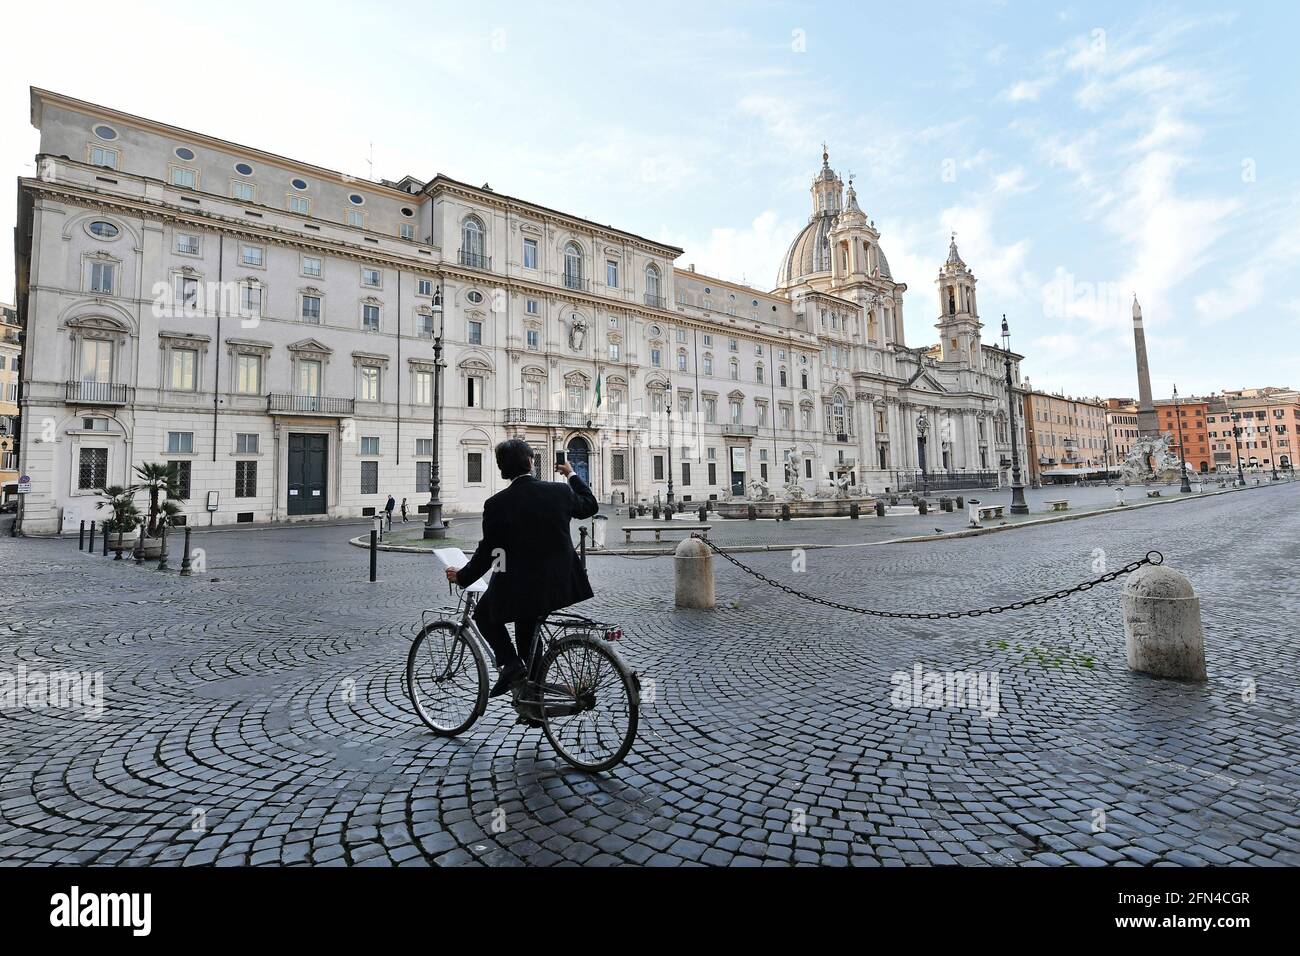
(785, 512)
(693, 575)
(1162, 624)
(751, 513)
(854, 511)
(704, 514)
(961, 503)
(973, 512)
(656, 513)
(922, 507)
(1119, 497)
(880, 509)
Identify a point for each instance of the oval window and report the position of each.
(105, 132)
(243, 169)
(105, 230)
(355, 199)
(656, 331)
(297, 184)
(474, 296)
(408, 211)
(185, 153)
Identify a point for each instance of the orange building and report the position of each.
(1269, 419)
(1188, 417)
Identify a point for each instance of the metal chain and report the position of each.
(1152, 558)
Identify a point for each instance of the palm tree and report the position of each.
(163, 482)
(120, 501)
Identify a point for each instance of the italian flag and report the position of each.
(598, 395)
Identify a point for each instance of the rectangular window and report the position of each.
(423, 391)
(184, 177)
(242, 191)
(611, 273)
(187, 292)
(311, 266)
(681, 336)
(406, 231)
(182, 478)
(311, 309)
(183, 368)
(713, 473)
(92, 468)
(613, 352)
(736, 413)
(475, 332)
(708, 340)
(103, 156)
(618, 466)
(247, 443)
(245, 479)
(474, 468)
(708, 365)
(474, 391)
(252, 256)
(656, 358)
(733, 345)
(424, 324)
(180, 443)
(369, 391)
(187, 244)
(252, 300)
(424, 447)
(248, 374)
(659, 468)
(370, 445)
(101, 277)
(370, 278)
(424, 287)
(807, 467)
(309, 377)
(356, 218)
(686, 473)
(533, 394)
(370, 317)
(531, 307)
(681, 361)
(530, 253)
(370, 477)
(300, 205)
(423, 475)
(710, 410)
(534, 339)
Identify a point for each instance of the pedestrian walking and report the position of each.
(403, 511)
(388, 510)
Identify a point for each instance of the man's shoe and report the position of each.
(510, 675)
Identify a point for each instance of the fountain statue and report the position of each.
(1149, 458)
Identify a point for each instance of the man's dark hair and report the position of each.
(514, 458)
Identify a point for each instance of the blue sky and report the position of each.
(1081, 152)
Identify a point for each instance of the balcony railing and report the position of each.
(655, 301)
(282, 404)
(96, 393)
(572, 281)
(730, 429)
(475, 260)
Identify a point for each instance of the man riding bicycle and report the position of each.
(526, 542)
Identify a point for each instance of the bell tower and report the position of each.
(959, 324)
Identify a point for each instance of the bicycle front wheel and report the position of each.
(446, 677)
(590, 700)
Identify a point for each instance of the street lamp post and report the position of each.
(668, 407)
(1236, 440)
(1184, 486)
(1018, 506)
(1268, 421)
(434, 528)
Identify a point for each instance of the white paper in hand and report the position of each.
(456, 558)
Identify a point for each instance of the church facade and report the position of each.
(268, 325)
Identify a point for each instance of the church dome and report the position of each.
(810, 252)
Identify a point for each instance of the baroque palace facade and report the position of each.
(268, 325)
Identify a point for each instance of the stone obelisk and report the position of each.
(1147, 423)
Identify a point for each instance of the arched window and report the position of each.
(839, 416)
(652, 284)
(573, 265)
(735, 370)
(471, 242)
(783, 377)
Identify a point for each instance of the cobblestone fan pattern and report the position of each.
(255, 713)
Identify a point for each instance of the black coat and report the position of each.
(526, 532)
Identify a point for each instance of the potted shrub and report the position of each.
(124, 515)
(162, 482)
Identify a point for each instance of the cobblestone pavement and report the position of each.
(228, 734)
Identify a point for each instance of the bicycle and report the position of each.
(578, 688)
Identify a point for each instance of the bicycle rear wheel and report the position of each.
(589, 702)
(446, 677)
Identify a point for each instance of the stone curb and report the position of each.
(364, 540)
